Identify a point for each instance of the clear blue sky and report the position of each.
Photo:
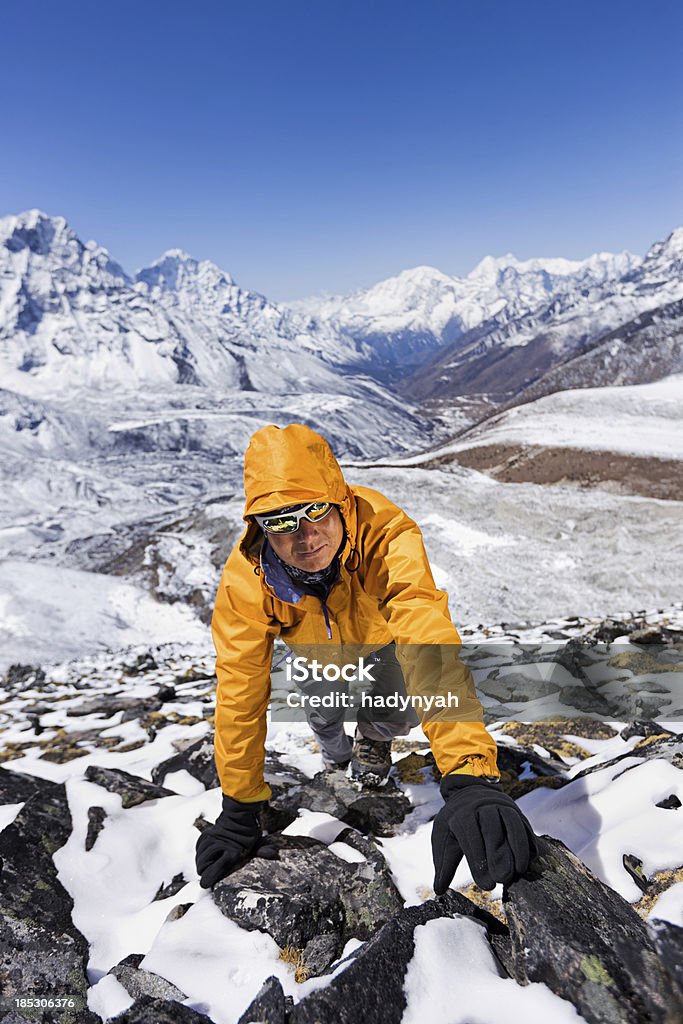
(322, 146)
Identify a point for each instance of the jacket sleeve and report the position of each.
(243, 634)
(427, 642)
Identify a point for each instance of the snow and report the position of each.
(219, 965)
(613, 812)
(137, 851)
(640, 420)
(453, 979)
(108, 997)
(422, 309)
(8, 813)
(52, 613)
(669, 906)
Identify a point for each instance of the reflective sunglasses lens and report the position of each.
(281, 524)
(318, 510)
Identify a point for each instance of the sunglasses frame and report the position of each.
(299, 515)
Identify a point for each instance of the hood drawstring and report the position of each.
(352, 562)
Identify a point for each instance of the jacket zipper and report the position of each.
(327, 621)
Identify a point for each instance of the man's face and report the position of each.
(313, 546)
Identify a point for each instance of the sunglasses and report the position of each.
(289, 521)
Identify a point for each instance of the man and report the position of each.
(322, 563)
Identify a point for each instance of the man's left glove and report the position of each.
(479, 821)
(231, 841)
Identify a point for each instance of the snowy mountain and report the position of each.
(164, 362)
(614, 327)
(407, 318)
(72, 318)
(240, 336)
(127, 403)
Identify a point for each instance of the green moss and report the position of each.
(594, 970)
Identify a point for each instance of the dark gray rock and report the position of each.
(269, 1006)
(308, 892)
(197, 759)
(40, 948)
(131, 788)
(23, 677)
(138, 983)
(107, 705)
(143, 663)
(148, 1010)
(370, 988)
(587, 700)
(579, 937)
(132, 960)
(96, 819)
(517, 687)
(610, 629)
(374, 811)
(48, 1017)
(16, 788)
(669, 803)
(668, 941)
(634, 867)
(516, 759)
(644, 727)
(174, 886)
(322, 951)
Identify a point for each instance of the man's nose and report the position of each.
(307, 529)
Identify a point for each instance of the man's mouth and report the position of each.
(310, 554)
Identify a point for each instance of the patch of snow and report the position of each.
(453, 977)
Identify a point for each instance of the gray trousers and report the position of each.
(374, 723)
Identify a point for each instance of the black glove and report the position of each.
(485, 825)
(231, 841)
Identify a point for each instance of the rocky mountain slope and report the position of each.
(628, 440)
(622, 330)
(110, 760)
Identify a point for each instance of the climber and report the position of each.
(320, 562)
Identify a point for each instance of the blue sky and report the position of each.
(321, 146)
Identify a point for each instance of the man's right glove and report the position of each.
(231, 841)
(485, 825)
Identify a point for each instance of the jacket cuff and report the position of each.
(452, 783)
(230, 805)
(264, 792)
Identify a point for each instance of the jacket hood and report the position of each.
(288, 466)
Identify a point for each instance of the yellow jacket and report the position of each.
(386, 593)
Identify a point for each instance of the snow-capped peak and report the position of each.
(177, 271)
(602, 265)
(670, 248)
(32, 229)
(34, 241)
